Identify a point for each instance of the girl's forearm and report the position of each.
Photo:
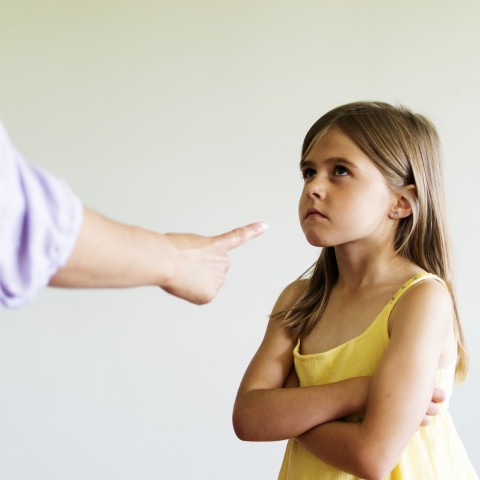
(340, 445)
(279, 414)
(352, 447)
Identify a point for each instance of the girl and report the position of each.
(365, 340)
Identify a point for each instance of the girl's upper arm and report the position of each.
(273, 360)
(402, 386)
(264, 410)
(400, 390)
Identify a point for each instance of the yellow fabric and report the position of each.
(433, 453)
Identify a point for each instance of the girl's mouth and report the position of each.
(312, 212)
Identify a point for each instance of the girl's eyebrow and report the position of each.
(306, 163)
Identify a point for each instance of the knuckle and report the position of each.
(240, 235)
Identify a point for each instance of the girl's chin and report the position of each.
(316, 241)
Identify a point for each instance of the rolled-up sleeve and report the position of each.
(40, 219)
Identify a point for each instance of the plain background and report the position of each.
(189, 116)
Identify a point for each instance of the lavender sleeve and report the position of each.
(40, 219)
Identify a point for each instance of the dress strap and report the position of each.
(414, 280)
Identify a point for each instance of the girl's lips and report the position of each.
(313, 212)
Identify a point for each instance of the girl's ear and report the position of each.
(402, 207)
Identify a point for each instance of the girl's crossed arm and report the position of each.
(421, 338)
(266, 411)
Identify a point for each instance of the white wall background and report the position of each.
(188, 116)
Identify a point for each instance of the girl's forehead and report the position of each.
(333, 142)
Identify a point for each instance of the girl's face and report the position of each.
(345, 197)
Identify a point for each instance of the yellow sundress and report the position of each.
(433, 453)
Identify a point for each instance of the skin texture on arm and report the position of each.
(421, 338)
(265, 411)
(110, 254)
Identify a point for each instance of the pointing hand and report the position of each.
(201, 263)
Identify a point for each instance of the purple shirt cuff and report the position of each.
(40, 219)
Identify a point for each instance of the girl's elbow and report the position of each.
(369, 473)
(240, 430)
(249, 427)
(242, 426)
(371, 464)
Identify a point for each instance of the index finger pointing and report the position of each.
(239, 236)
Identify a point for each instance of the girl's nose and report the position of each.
(316, 188)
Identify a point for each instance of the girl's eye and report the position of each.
(308, 173)
(341, 171)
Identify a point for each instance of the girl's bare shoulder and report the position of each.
(290, 294)
(429, 290)
(426, 299)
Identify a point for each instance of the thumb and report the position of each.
(239, 236)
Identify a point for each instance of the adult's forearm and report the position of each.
(111, 254)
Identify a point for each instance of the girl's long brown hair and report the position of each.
(405, 147)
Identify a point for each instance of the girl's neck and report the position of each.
(361, 269)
